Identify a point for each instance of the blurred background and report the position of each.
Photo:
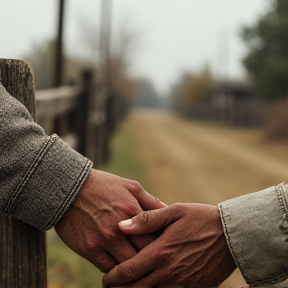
(188, 97)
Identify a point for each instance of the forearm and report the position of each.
(40, 175)
(256, 229)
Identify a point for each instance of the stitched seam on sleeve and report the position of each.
(227, 235)
(75, 188)
(271, 280)
(280, 189)
(44, 149)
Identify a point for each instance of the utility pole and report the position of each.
(106, 74)
(58, 64)
(58, 59)
(105, 38)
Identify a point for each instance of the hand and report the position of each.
(191, 252)
(90, 226)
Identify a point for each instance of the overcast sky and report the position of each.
(176, 35)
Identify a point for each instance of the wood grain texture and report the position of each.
(22, 247)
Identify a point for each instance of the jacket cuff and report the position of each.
(50, 185)
(256, 230)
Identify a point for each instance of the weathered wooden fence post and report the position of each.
(84, 101)
(109, 125)
(22, 247)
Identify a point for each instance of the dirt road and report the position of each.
(192, 162)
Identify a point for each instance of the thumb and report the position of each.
(149, 221)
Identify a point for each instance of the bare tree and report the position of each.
(122, 49)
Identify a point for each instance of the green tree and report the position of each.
(267, 59)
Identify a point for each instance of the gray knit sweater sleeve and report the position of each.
(40, 176)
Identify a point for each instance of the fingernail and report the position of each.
(126, 223)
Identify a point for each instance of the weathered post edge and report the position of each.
(84, 101)
(22, 247)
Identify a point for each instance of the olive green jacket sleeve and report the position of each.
(40, 176)
(256, 229)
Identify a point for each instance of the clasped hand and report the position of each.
(90, 226)
(191, 252)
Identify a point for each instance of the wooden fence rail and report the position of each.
(84, 116)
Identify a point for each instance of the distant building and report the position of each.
(234, 102)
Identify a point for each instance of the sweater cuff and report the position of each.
(57, 174)
(256, 230)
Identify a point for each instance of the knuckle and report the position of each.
(135, 187)
(103, 265)
(178, 208)
(162, 255)
(89, 245)
(127, 273)
(131, 208)
(110, 236)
